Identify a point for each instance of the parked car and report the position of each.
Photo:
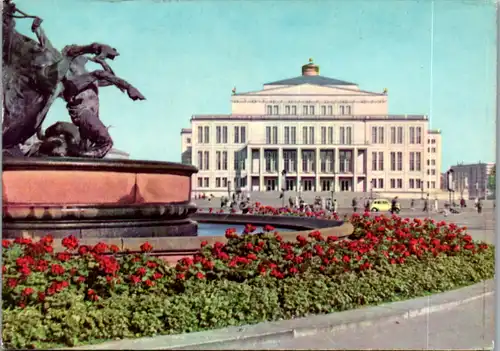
(383, 205)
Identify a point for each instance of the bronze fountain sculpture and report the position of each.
(60, 183)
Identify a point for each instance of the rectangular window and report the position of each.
(348, 136)
(268, 135)
(348, 110)
(305, 139)
(294, 110)
(411, 183)
(217, 182)
(374, 161)
(311, 110)
(200, 182)
(418, 161)
(330, 110)
(200, 135)
(393, 183)
(381, 135)
(311, 135)
(342, 110)
(276, 109)
(433, 185)
(393, 161)
(275, 135)
(412, 161)
(206, 182)
(200, 160)
(400, 183)
(293, 135)
(393, 135)
(224, 135)
(412, 135)
(269, 110)
(342, 135)
(243, 134)
(218, 135)
(374, 135)
(381, 161)
(400, 161)
(207, 135)
(418, 184)
(323, 110)
(224, 160)
(218, 160)
(305, 110)
(206, 161)
(287, 110)
(236, 165)
(330, 135)
(419, 135)
(224, 182)
(236, 135)
(400, 135)
(381, 183)
(287, 135)
(323, 135)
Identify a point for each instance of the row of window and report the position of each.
(221, 160)
(396, 135)
(309, 110)
(415, 161)
(222, 182)
(221, 135)
(308, 135)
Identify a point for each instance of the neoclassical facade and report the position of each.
(312, 133)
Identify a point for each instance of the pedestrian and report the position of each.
(479, 206)
(354, 204)
(367, 205)
(436, 205)
(426, 205)
(394, 205)
(412, 205)
(290, 202)
(462, 203)
(335, 206)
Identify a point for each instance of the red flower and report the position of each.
(100, 248)
(47, 240)
(41, 296)
(146, 247)
(56, 269)
(135, 279)
(82, 250)
(269, 228)
(200, 275)
(28, 291)
(149, 283)
(113, 248)
(180, 276)
(346, 259)
(204, 243)
(70, 242)
(12, 283)
(141, 271)
(63, 256)
(6, 244)
(157, 275)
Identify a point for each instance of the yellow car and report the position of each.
(383, 205)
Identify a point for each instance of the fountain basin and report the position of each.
(96, 198)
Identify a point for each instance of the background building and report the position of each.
(313, 133)
(471, 180)
(186, 148)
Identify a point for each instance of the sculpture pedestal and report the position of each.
(96, 198)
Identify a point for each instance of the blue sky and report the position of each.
(186, 56)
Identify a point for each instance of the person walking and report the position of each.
(335, 206)
(426, 205)
(479, 206)
(462, 203)
(354, 204)
(367, 205)
(394, 205)
(412, 205)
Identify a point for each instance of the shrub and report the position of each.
(86, 294)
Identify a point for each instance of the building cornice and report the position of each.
(252, 99)
(308, 118)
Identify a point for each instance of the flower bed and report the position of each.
(88, 294)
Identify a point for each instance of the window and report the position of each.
(330, 110)
(433, 162)
(345, 158)
(400, 135)
(374, 135)
(305, 110)
(287, 110)
(419, 135)
(287, 135)
(374, 161)
(293, 135)
(206, 182)
(268, 135)
(418, 184)
(342, 135)
(433, 185)
(224, 135)
(342, 110)
(323, 110)
(243, 135)
(393, 162)
(433, 172)
(236, 135)
(224, 182)
(412, 135)
(412, 161)
(400, 161)
(433, 150)
(411, 184)
(294, 110)
(200, 135)
(380, 183)
(239, 160)
(381, 135)
(330, 135)
(393, 183)
(217, 182)
(275, 135)
(323, 135)
(218, 134)
(224, 160)
(206, 162)
(311, 135)
(305, 136)
(218, 160)
(200, 160)
(188, 140)
(271, 161)
(200, 182)
(290, 160)
(207, 135)
(393, 135)
(400, 183)
(311, 110)
(381, 161)
(348, 110)
(269, 110)
(276, 109)
(418, 161)
(348, 136)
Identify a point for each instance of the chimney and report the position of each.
(310, 69)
